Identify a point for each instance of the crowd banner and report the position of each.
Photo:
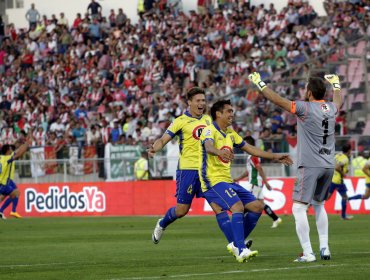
(153, 198)
(39, 167)
(120, 161)
(37, 158)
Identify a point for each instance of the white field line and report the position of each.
(231, 272)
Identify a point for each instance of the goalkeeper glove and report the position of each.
(333, 80)
(255, 78)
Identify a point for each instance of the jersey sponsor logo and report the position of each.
(90, 199)
(325, 108)
(197, 131)
(225, 148)
(324, 151)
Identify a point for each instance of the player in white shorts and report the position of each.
(256, 179)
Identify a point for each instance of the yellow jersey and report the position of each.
(188, 129)
(214, 169)
(6, 169)
(343, 161)
(367, 165)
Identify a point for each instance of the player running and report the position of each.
(337, 183)
(218, 141)
(7, 185)
(366, 170)
(256, 179)
(188, 127)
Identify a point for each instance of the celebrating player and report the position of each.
(366, 170)
(256, 179)
(218, 140)
(316, 149)
(337, 183)
(7, 185)
(188, 127)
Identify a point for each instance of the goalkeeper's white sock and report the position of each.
(302, 226)
(322, 224)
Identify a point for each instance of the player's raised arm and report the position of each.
(282, 158)
(159, 144)
(24, 147)
(337, 96)
(271, 95)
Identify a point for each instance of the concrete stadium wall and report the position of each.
(72, 7)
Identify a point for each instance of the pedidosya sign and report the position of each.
(90, 199)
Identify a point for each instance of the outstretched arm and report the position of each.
(159, 144)
(268, 93)
(252, 150)
(337, 96)
(24, 147)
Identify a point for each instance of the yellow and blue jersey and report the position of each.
(214, 169)
(343, 161)
(367, 165)
(6, 169)
(188, 129)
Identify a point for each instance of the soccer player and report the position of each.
(218, 141)
(316, 149)
(337, 183)
(256, 179)
(366, 171)
(188, 127)
(7, 185)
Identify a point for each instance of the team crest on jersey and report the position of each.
(232, 138)
(197, 131)
(207, 122)
(325, 108)
(224, 148)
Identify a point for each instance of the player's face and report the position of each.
(197, 105)
(228, 115)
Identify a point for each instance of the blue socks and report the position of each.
(358, 196)
(15, 204)
(250, 222)
(238, 230)
(344, 208)
(6, 204)
(169, 218)
(224, 223)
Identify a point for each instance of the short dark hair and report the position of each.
(5, 148)
(346, 148)
(194, 91)
(317, 86)
(250, 140)
(218, 107)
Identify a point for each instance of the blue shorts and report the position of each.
(187, 186)
(368, 185)
(341, 188)
(226, 195)
(8, 188)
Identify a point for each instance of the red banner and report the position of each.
(152, 198)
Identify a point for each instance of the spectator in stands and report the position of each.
(94, 8)
(276, 122)
(79, 133)
(32, 16)
(116, 132)
(141, 167)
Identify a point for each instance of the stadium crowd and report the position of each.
(97, 80)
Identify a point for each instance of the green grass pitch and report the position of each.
(118, 248)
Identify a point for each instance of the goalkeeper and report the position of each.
(315, 155)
